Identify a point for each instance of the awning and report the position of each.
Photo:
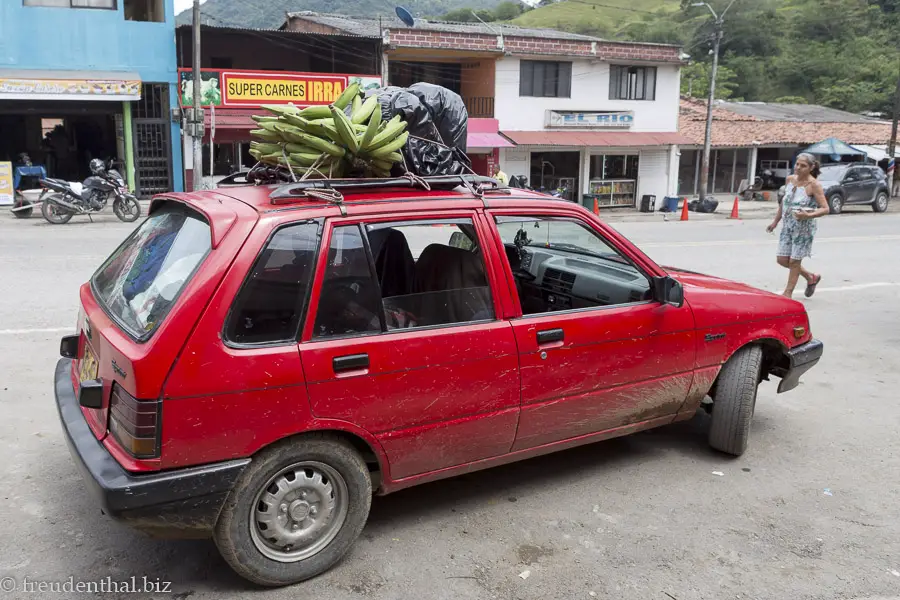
(876, 153)
(487, 140)
(23, 84)
(595, 138)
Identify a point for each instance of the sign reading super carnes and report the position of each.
(254, 89)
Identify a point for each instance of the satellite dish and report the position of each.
(405, 16)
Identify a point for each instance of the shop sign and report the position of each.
(70, 89)
(613, 119)
(6, 183)
(246, 89)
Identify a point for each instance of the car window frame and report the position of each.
(304, 301)
(560, 215)
(362, 221)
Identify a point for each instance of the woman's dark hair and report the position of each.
(815, 166)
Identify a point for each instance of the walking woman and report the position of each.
(804, 201)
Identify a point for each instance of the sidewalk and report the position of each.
(747, 209)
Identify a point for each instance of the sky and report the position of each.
(181, 5)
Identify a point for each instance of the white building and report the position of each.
(599, 129)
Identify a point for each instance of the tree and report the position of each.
(507, 11)
(695, 81)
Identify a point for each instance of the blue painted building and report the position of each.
(82, 79)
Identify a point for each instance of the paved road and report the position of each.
(643, 517)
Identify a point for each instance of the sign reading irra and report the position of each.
(251, 88)
(624, 118)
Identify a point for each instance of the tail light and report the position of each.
(134, 423)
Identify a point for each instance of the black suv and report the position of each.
(854, 184)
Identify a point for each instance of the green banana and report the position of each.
(265, 148)
(347, 96)
(323, 145)
(315, 112)
(394, 128)
(265, 134)
(393, 157)
(391, 146)
(371, 128)
(296, 121)
(262, 118)
(365, 110)
(290, 133)
(301, 148)
(356, 104)
(345, 129)
(306, 159)
(324, 129)
(280, 109)
(384, 165)
(270, 125)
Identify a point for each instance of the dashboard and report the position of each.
(550, 279)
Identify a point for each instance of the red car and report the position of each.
(254, 363)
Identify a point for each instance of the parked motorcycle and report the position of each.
(64, 199)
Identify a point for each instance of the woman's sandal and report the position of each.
(811, 287)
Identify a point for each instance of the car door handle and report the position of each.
(353, 362)
(548, 336)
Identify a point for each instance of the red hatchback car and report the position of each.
(254, 363)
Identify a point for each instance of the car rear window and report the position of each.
(142, 279)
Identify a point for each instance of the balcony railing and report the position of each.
(479, 107)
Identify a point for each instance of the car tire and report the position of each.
(835, 204)
(881, 202)
(735, 401)
(293, 479)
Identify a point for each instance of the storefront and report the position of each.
(483, 144)
(60, 120)
(613, 169)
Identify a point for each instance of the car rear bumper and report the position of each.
(177, 503)
(799, 360)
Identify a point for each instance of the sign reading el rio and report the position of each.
(228, 88)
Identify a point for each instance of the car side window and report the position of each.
(417, 274)
(852, 175)
(270, 305)
(562, 264)
(866, 174)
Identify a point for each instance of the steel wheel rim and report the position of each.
(124, 208)
(298, 511)
(837, 203)
(882, 201)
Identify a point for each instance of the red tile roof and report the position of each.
(731, 129)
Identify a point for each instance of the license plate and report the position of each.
(88, 370)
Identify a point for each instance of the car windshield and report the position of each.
(140, 281)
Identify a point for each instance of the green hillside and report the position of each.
(269, 14)
(605, 18)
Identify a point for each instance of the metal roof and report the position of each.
(280, 31)
(801, 113)
(367, 27)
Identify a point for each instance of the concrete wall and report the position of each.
(590, 92)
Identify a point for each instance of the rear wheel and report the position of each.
(735, 401)
(296, 511)
(55, 214)
(881, 202)
(836, 204)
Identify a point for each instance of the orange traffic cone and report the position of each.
(734, 209)
(596, 208)
(684, 210)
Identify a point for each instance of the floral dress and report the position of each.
(796, 236)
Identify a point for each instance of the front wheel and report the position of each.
(735, 401)
(54, 213)
(25, 212)
(836, 204)
(295, 511)
(127, 208)
(881, 202)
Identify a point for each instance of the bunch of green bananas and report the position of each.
(322, 141)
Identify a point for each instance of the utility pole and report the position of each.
(892, 144)
(707, 142)
(197, 125)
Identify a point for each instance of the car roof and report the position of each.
(274, 197)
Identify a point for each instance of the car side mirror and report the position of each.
(667, 290)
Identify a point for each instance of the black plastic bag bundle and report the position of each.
(434, 114)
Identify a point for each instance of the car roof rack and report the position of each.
(330, 189)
